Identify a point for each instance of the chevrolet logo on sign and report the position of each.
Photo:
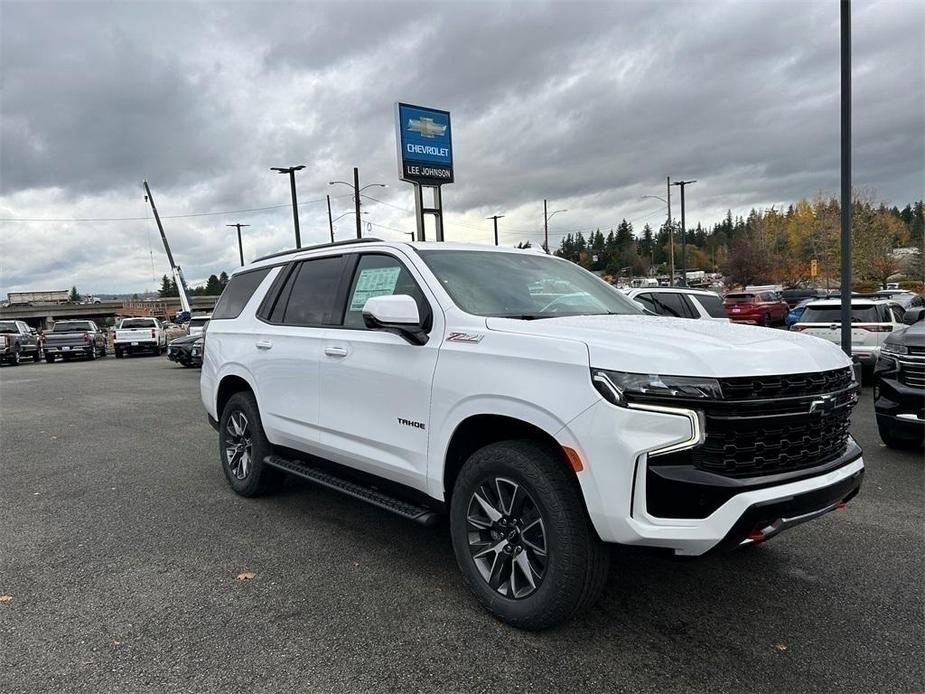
(426, 127)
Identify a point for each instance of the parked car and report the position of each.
(794, 314)
(899, 385)
(427, 379)
(197, 324)
(17, 342)
(871, 321)
(186, 351)
(74, 338)
(904, 298)
(797, 295)
(681, 302)
(757, 308)
(136, 335)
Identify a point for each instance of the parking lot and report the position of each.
(122, 545)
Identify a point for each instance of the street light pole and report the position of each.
(330, 221)
(495, 218)
(240, 246)
(295, 205)
(546, 218)
(683, 233)
(670, 234)
(846, 176)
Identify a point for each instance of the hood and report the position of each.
(185, 340)
(684, 347)
(913, 336)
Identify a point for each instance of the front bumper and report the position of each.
(615, 442)
(898, 404)
(82, 350)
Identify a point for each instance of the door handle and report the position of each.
(264, 344)
(336, 351)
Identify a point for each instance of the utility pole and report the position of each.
(546, 217)
(495, 218)
(670, 236)
(240, 245)
(330, 221)
(683, 233)
(846, 176)
(356, 199)
(545, 228)
(295, 205)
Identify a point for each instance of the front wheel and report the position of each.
(37, 357)
(522, 538)
(16, 359)
(242, 446)
(49, 358)
(118, 353)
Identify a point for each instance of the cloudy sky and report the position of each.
(589, 104)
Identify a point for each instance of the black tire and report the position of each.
(16, 359)
(894, 440)
(37, 357)
(91, 355)
(119, 354)
(103, 351)
(49, 358)
(767, 320)
(257, 478)
(575, 562)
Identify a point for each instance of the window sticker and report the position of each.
(378, 281)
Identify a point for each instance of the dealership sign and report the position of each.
(425, 144)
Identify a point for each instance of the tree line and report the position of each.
(213, 286)
(768, 246)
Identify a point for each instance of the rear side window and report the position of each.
(240, 289)
(737, 298)
(646, 300)
(713, 305)
(314, 294)
(832, 314)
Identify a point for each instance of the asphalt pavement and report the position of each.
(121, 546)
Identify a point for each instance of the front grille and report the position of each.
(916, 349)
(769, 425)
(912, 373)
(760, 387)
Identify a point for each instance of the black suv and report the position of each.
(899, 385)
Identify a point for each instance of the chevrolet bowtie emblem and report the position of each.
(426, 127)
(822, 405)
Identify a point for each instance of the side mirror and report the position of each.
(914, 315)
(397, 314)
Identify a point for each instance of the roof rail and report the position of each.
(334, 244)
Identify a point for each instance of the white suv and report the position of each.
(680, 302)
(438, 378)
(872, 321)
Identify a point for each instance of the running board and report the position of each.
(309, 472)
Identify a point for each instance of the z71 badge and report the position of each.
(464, 337)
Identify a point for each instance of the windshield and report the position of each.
(8, 328)
(832, 314)
(523, 285)
(71, 326)
(137, 323)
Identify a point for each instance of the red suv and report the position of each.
(757, 308)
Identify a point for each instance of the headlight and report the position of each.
(617, 386)
(893, 348)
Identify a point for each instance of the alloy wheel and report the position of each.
(507, 537)
(238, 448)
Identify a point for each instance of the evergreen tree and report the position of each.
(74, 295)
(223, 278)
(213, 286)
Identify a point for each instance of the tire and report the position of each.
(767, 320)
(247, 474)
(65, 357)
(572, 570)
(49, 358)
(37, 357)
(119, 354)
(16, 359)
(103, 351)
(91, 355)
(893, 440)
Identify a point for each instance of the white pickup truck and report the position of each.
(140, 335)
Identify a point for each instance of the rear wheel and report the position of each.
(91, 355)
(37, 357)
(118, 353)
(49, 358)
(522, 538)
(767, 320)
(16, 359)
(242, 446)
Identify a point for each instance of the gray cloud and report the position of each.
(587, 104)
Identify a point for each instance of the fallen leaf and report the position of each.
(116, 643)
(780, 648)
(246, 576)
(6, 598)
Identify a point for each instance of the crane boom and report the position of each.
(179, 280)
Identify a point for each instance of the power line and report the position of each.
(175, 216)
